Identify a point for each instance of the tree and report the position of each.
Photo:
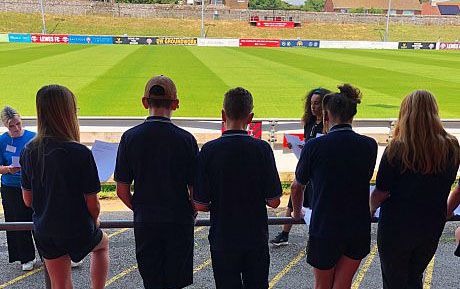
(314, 5)
(268, 4)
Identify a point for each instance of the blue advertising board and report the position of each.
(101, 39)
(79, 39)
(16, 37)
(300, 43)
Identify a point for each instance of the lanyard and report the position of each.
(333, 129)
(236, 134)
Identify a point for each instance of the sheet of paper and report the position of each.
(105, 155)
(457, 211)
(296, 144)
(15, 162)
(307, 215)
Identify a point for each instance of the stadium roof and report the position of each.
(378, 4)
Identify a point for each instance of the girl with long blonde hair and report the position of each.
(62, 177)
(414, 179)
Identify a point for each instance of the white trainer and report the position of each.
(28, 266)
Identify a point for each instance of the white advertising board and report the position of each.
(218, 42)
(358, 44)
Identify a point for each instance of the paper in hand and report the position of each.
(296, 144)
(15, 162)
(307, 215)
(105, 155)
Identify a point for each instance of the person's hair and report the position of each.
(308, 116)
(420, 143)
(7, 114)
(238, 103)
(56, 114)
(157, 90)
(343, 104)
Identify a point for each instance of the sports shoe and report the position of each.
(28, 266)
(281, 239)
(75, 264)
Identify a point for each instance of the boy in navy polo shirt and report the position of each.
(160, 158)
(237, 173)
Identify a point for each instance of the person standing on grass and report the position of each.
(160, 158)
(237, 173)
(340, 166)
(60, 182)
(313, 127)
(20, 243)
(413, 182)
(452, 203)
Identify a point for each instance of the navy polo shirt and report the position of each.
(417, 199)
(236, 176)
(339, 166)
(160, 158)
(60, 174)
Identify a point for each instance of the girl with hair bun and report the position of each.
(340, 165)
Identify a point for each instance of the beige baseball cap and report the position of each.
(160, 87)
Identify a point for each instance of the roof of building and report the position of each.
(378, 4)
(428, 9)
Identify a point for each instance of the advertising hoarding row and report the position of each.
(417, 45)
(449, 45)
(4, 38)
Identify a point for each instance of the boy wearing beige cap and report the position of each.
(160, 158)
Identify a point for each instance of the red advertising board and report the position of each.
(449, 45)
(260, 42)
(275, 24)
(254, 129)
(50, 38)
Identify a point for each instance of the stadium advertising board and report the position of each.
(417, 45)
(4, 38)
(50, 38)
(79, 39)
(299, 43)
(23, 38)
(260, 42)
(359, 44)
(101, 39)
(134, 40)
(218, 42)
(449, 45)
(176, 41)
(275, 24)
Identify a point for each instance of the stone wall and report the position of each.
(81, 7)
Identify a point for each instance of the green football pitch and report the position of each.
(109, 80)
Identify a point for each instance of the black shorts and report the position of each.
(164, 254)
(306, 197)
(77, 248)
(457, 252)
(324, 253)
(237, 269)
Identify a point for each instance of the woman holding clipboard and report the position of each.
(20, 243)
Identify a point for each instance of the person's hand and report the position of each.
(12, 170)
(98, 223)
(450, 215)
(289, 145)
(301, 147)
(372, 211)
(298, 215)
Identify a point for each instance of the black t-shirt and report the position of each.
(339, 166)
(60, 174)
(311, 129)
(161, 159)
(236, 175)
(417, 203)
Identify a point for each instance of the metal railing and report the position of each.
(119, 224)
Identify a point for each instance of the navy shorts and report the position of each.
(324, 253)
(457, 252)
(164, 254)
(77, 248)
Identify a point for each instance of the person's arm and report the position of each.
(8, 170)
(94, 207)
(453, 201)
(201, 193)
(27, 197)
(190, 192)
(124, 193)
(376, 200)
(201, 207)
(297, 199)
